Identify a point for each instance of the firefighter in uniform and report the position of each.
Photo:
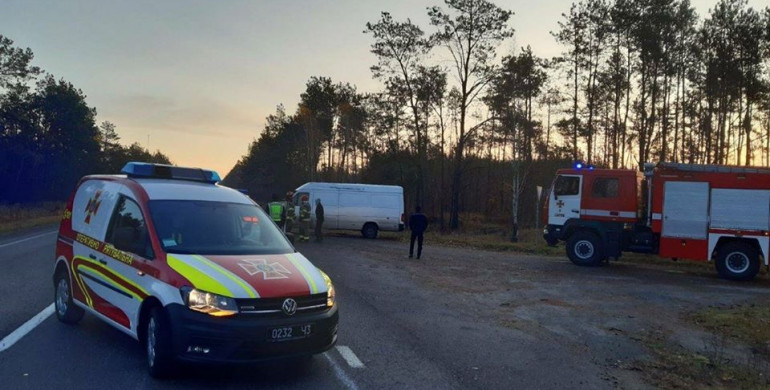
(304, 219)
(290, 216)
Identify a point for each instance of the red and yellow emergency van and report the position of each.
(193, 270)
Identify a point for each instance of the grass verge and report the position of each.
(675, 367)
(18, 217)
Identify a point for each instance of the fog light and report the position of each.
(197, 349)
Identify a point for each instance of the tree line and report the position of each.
(49, 138)
(467, 127)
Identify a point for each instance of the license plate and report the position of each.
(289, 332)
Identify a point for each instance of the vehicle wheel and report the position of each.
(157, 344)
(585, 248)
(369, 230)
(66, 311)
(737, 261)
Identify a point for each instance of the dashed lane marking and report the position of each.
(26, 239)
(27, 327)
(350, 357)
(340, 373)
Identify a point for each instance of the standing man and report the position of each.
(319, 220)
(277, 211)
(304, 219)
(289, 212)
(418, 222)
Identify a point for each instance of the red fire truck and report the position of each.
(682, 211)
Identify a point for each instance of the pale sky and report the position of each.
(199, 77)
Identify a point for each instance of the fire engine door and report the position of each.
(685, 209)
(564, 201)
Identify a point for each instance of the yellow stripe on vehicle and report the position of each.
(79, 281)
(309, 279)
(121, 277)
(249, 290)
(95, 273)
(199, 279)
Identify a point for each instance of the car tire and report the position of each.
(584, 248)
(65, 308)
(370, 230)
(737, 261)
(157, 344)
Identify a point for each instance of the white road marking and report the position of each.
(26, 239)
(350, 357)
(340, 373)
(27, 327)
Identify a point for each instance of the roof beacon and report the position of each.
(161, 171)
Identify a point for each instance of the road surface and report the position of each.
(458, 318)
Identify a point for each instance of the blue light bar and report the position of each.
(162, 171)
(578, 164)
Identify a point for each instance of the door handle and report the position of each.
(92, 256)
(103, 261)
(576, 211)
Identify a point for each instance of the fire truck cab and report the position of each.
(682, 211)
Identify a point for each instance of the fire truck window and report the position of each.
(605, 188)
(567, 185)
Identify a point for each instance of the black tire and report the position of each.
(65, 308)
(737, 261)
(585, 248)
(157, 344)
(370, 230)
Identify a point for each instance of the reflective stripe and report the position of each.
(80, 281)
(106, 279)
(309, 272)
(199, 278)
(657, 216)
(121, 277)
(608, 213)
(246, 287)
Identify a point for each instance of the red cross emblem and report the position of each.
(268, 271)
(93, 206)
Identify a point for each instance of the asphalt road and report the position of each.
(457, 318)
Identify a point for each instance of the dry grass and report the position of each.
(16, 217)
(675, 367)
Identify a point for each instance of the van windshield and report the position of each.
(216, 228)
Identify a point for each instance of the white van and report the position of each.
(367, 208)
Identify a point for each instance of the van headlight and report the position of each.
(330, 294)
(206, 302)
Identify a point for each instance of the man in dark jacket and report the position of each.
(319, 220)
(418, 222)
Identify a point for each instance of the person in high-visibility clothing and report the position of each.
(304, 219)
(277, 210)
(290, 214)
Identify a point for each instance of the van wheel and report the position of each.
(66, 311)
(157, 344)
(369, 230)
(585, 248)
(737, 261)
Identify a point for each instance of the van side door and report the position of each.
(127, 241)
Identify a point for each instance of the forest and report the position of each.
(49, 138)
(470, 130)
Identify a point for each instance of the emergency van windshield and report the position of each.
(216, 228)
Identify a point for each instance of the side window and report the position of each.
(567, 185)
(128, 231)
(605, 187)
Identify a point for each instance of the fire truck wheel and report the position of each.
(737, 261)
(585, 248)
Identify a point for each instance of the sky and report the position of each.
(196, 79)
